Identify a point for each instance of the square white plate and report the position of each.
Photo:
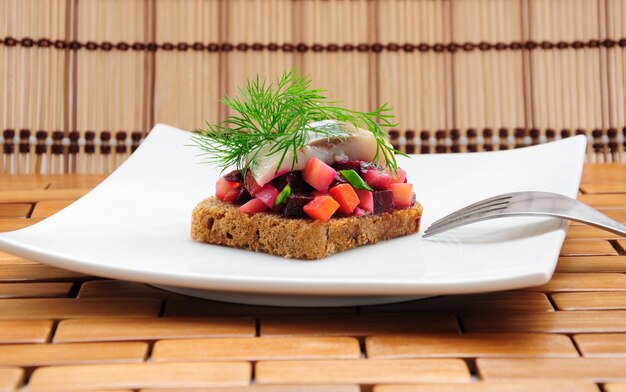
(135, 226)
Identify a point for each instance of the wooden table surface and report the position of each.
(61, 330)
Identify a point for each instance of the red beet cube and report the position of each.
(366, 200)
(383, 201)
(267, 194)
(250, 184)
(360, 167)
(377, 179)
(318, 174)
(253, 206)
(294, 180)
(294, 208)
(234, 176)
(223, 187)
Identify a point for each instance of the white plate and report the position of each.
(135, 226)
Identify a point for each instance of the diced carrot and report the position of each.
(253, 206)
(347, 198)
(321, 208)
(402, 194)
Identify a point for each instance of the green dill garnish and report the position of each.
(279, 114)
(283, 195)
(355, 180)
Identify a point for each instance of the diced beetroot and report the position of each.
(402, 194)
(295, 181)
(294, 208)
(253, 206)
(347, 165)
(360, 212)
(318, 174)
(250, 184)
(360, 167)
(243, 196)
(399, 177)
(234, 176)
(377, 179)
(347, 198)
(366, 200)
(339, 179)
(267, 194)
(321, 208)
(222, 186)
(383, 201)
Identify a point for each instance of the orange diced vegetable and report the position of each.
(321, 208)
(347, 198)
(402, 194)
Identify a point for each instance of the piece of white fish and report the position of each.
(351, 143)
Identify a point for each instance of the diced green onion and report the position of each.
(355, 180)
(282, 196)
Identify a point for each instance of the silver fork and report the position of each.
(526, 204)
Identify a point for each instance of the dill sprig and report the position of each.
(279, 114)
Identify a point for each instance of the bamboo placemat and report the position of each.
(83, 81)
(64, 331)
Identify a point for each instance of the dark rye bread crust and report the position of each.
(217, 222)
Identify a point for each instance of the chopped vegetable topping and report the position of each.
(282, 196)
(347, 198)
(355, 180)
(321, 208)
(320, 191)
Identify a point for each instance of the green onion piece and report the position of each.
(355, 180)
(282, 196)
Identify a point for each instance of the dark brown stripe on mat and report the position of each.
(301, 47)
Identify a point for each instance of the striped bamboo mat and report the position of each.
(83, 81)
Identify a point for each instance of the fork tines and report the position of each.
(471, 213)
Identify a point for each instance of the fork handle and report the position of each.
(566, 208)
(595, 218)
(577, 212)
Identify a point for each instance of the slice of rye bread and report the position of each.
(217, 222)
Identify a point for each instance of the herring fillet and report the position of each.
(354, 144)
